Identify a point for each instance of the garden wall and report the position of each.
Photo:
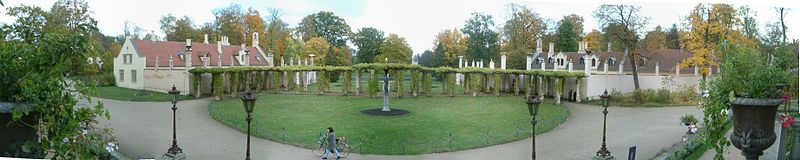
(594, 85)
(163, 79)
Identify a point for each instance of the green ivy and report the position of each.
(398, 78)
(498, 79)
(372, 84)
(216, 84)
(346, 81)
(276, 81)
(323, 81)
(426, 83)
(234, 84)
(195, 85)
(414, 82)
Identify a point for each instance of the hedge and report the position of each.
(475, 79)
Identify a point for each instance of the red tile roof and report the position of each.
(163, 49)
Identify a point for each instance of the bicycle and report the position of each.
(341, 145)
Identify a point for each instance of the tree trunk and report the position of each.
(634, 69)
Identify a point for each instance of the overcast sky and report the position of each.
(416, 20)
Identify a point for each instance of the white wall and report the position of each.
(594, 85)
(137, 63)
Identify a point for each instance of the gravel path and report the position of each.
(143, 130)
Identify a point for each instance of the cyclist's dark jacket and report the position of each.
(331, 140)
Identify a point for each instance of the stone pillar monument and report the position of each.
(503, 61)
(657, 70)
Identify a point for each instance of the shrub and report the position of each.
(687, 93)
(688, 119)
(663, 96)
(497, 83)
(616, 96)
(414, 82)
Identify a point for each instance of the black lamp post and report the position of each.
(533, 109)
(249, 102)
(174, 151)
(604, 153)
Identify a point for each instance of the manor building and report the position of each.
(158, 65)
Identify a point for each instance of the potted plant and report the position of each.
(751, 82)
(689, 120)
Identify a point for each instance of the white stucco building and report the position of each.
(157, 65)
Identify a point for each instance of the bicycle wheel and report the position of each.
(318, 149)
(344, 149)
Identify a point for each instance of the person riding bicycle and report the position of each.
(332, 141)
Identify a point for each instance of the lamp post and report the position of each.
(174, 152)
(603, 153)
(249, 102)
(533, 109)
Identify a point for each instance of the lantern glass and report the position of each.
(174, 93)
(248, 101)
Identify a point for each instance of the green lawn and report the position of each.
(435, 124)
(126, 94)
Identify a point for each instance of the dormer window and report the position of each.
(549, 60)
(611, 61)
(594, 61)
(581, 61)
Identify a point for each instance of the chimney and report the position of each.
(255, 39)
(188, 55)
(552, 47)
(538, 45)
(609, 47)
(205, 38)
(580, 47)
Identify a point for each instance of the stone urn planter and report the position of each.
(753, 125)
(14, 135)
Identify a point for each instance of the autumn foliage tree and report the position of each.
(449, 44)
(709, 26)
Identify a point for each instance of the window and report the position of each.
(581, 62)
(121, 75)
(133, 76)
(593, 62)
(127, 58)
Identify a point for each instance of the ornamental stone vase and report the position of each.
(753, 125)
(14, 135)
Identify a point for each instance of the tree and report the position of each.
(35, 52)
(577, 24)
(709, 27)
(326, 25)
(567, 38)
(449, 45)
(253, 24)
(317, 46)
(673, 39)
(655, 39)
(179, 29)
(519, 33)
(593, 40)
(483, 41)
(278, 37)
(627, 21)
(782, 11)
(369, 41)
(395, 49)
(426, 59)
(229, 21)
